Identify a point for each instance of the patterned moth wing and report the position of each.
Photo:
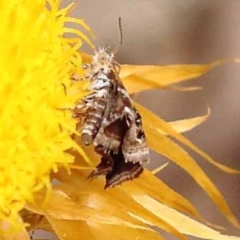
(134, 145)
(126, 163)
(115, 132)
(114, 126)
(112, 123)
(115, 169)
(122, 171)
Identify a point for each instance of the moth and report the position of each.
(111, 123)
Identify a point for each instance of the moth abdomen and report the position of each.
(92, 122)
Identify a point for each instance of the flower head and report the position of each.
(36, 61)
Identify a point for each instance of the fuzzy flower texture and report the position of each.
(36, 61)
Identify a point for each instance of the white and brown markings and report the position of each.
(111, 123)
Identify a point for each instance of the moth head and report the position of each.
(102, 55)
(103, 62)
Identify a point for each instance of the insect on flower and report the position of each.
(111, 123)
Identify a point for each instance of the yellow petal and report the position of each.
(6, 232)
(136, 84)
(160, 168)
(155, 123)
(175, 153)
(185, 125)
(154, 187)
(146, 184)
(80, 22)
(164, 146)
(75, 230)
(79, 34)
(181, 222)
(81, 206)
(138, 78)
(97, 206)
(87, 58)
(96, 211)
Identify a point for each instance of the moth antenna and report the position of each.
(120, 38)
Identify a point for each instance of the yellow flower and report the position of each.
(36, 62)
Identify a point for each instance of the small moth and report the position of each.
(111, 123)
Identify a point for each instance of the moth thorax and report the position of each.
(105, 68)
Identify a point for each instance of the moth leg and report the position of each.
(78, 78)
(87, 65)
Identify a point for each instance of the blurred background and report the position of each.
(181, 32)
